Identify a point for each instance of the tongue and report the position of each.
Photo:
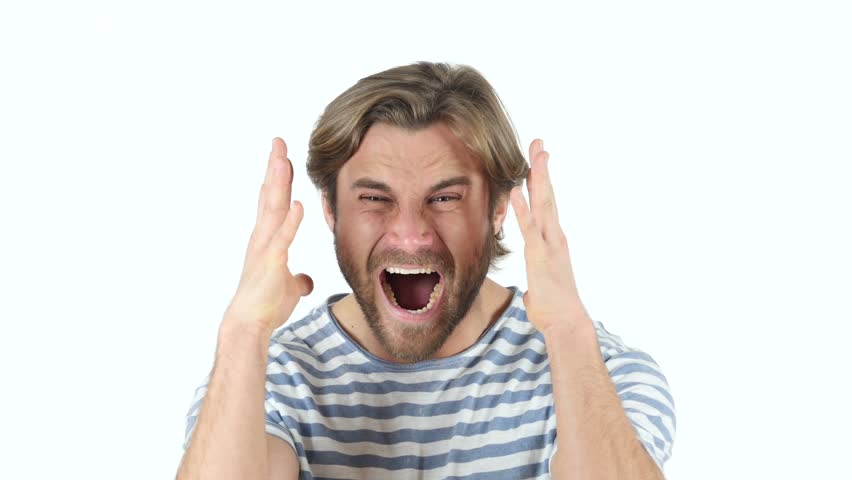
(412, 291)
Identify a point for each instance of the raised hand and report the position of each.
(552, 298)
(268, 292)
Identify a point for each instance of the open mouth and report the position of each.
(415, 290)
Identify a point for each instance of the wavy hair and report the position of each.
(414, 97)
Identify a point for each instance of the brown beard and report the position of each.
(420, 342)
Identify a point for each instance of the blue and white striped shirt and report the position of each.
(486, 412)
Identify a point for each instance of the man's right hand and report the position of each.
(268, 292)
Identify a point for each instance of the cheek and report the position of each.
(463, 233)
(360, 232)
(369, 226)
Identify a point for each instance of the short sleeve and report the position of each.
(644, 393)
(274, 422)
(194, 408)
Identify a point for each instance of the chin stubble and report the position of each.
(410, 343)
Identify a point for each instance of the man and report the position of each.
(428, 369)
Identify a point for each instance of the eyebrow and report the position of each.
(450, 182)
(372, 184)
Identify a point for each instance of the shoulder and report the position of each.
(644, 393)
(611, 344)
(514, 328)
(309, 325)
(312, 349)
(628, 363)
(308, 335)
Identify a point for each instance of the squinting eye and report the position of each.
(444, 199)
(373, 198)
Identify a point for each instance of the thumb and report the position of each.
(304, 284)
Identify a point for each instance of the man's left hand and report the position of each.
(552, 299)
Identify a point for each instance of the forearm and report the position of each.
(596, 439)
(229, 440)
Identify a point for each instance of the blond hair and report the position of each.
(414, 97)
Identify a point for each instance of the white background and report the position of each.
(701, 154)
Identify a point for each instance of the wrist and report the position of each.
(572, 349)
(233, 332)
(570, 330)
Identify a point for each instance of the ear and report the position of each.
(329, 215)
(500, 211)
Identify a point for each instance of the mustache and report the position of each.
(442, 260)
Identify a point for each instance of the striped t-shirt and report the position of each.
(486, 412)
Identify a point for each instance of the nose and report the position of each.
(410, 230)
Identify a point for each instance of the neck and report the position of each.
(489, 304)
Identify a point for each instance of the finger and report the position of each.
(276, 196)
(305, 284)
(542, 198)
(535, 147)
(526, 222)
(287, 231)
(279, 151)
(262, 196)
(287, 178)
(540, 186)
(261, 201)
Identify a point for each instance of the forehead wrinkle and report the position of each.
(429, 169)
(400, 160)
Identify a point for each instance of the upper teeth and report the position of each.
(407, 271)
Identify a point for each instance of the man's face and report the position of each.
(412, 235)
